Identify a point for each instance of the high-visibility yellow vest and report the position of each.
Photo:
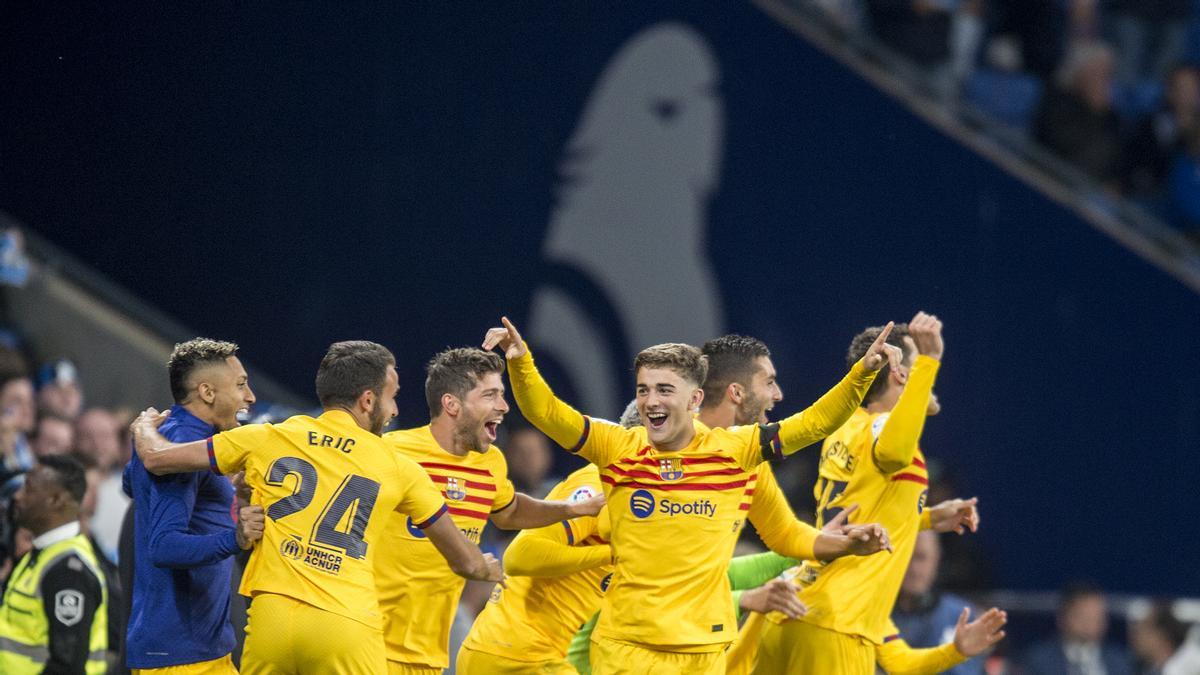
(24, 626)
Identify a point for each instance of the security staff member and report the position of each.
(54, 616)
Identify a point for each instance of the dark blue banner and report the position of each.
(287, 177)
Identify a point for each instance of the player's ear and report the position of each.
(697, 399)
(735, 392)
(367, 401)
(451, 405)
(206, 392)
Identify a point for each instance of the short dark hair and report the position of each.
(1164, 621)
(12, 366)
(349, 368)
(858, 349)
(731, 358)
(684, 360)
(1077, 590)
(190, 356)
(455, 372)
(68, 473)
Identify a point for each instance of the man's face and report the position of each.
(481, 413)
(37, 499)
(16, 404)
(665, 401)
(54, 437)
(1084, 620)
(231, 394)
(98, 436)
(61, 398)
(923, 568)
(529, 456)
(762, 392)
(385, 406)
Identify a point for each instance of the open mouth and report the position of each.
(656, 420)
(490, 428)
(243, 414)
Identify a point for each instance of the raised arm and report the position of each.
(832, 410)
(565, 425)
(548, 552)
(896, 657)
(525, 512)
(897, 442)
(161, 456)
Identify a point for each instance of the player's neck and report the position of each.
(442, 428)
(720, 416)
(885, 402)
(200, 412)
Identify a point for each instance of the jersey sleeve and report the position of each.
(71, 596)
(551, 552)
(505, 492)
(420, 499)
(597, 441)
(896, 443)
(172, 544)
(817, 421)
(776, 523)
(896, 657)
(231, 451)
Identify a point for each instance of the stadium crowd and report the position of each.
(65, 465)
(1110, 86)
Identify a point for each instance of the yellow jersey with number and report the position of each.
(535, 618)
(855, 594)
(328, 488)
(418, 591)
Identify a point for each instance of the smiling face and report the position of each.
(761, 394)
(384, 406)
(666, 401)
(226, 391)
(478, 415)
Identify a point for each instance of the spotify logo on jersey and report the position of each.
(641, 503)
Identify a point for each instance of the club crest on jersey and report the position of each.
(670, 468)
(454, 491)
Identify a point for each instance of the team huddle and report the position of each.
(361, 541)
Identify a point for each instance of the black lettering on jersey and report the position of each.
(718, 627)
(327, 441)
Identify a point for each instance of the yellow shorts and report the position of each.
(801, 647)
(613, 657)
(221, 666)
(471, 662)
(287, 636)
(397, 668)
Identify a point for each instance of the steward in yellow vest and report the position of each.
(54, 615)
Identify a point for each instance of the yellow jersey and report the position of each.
(535, 617)
(872, 461)
(676, 516)
(328, 487)
(418, 591)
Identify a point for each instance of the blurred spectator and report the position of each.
(1183, 184)
(942, 37)
(530, 460)
(1037, 27)
(14, 264)
(54, 435)
(16, 415)
(1149, 36)
(1162, 136)
(98, 443)
(1076, 119)
(1079, 647)
(58, 389)
(925, 617)
(1156, 639)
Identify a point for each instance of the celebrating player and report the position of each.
(675, 488)
(874, 462)
(184, 539)
(328, 485)
(418, 592)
